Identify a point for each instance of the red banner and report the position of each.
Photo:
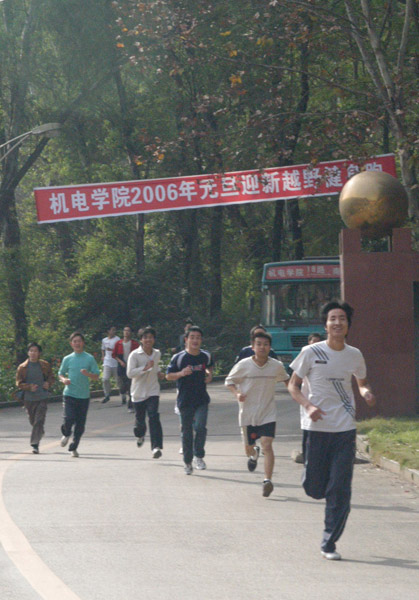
(95, 200)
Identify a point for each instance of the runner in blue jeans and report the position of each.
(192, 370)
(329, 418)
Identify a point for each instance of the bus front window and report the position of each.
(297, 302)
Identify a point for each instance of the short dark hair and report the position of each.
(192, 329)
(34, 345)
(255, 328)
(75, 334)
(262, 334)
(148, 329)
(347, 309)
(314, 335)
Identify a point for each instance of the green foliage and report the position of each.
(396, 439)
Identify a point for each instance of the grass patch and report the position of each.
(395, 438)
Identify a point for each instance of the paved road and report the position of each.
(117, 525)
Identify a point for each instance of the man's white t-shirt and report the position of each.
(328, 374)
(108, 344)
(258, 384)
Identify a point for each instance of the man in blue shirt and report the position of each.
(192, 370)
(75, 372)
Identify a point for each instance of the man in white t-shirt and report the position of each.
(252, 380)
(110, 365)
(329, 418)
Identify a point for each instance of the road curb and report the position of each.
(410, 475)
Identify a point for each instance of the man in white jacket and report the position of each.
(144, 371)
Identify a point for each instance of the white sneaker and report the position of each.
(188, 469)
(157, 453)
(181, 450)
(74, 454)
(64, 440)
(199, 463)
(331, 555)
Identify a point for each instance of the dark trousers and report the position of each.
(329, 460)
(193, 419)
(37, 410)
(124, 386)
(150, 406)
(75, 413)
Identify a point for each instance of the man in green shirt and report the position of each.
(75, 372)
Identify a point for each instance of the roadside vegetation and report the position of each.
(395, 438)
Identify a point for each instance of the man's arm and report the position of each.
(294, 387)
(365, 391)
(179, 374)
(233, 389)
(208, 373)
(90, 375)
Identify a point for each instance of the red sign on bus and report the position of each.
(301, 271)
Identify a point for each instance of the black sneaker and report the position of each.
(72, 447)
(157, 452)
(140, 442)
(105, 400)
(253, 461)
(267, 488)
(35, 448)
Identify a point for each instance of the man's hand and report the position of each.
(149, 365)
(34, 387)
(240, 397)
(186, 371)
(315, 413)
(369, 398)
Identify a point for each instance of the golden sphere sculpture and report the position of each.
(373, 202)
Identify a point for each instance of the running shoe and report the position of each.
(156, 453)
(253, 460)
(64, 440)
(267, 488)
(188, 469)
(199, 463)
(331, 555)
(140, 442)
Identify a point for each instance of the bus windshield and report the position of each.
(297, 302)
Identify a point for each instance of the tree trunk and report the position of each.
(296, 233)
(278, 229)
(215, 254)
(14, 277)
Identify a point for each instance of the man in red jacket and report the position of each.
(122, 350)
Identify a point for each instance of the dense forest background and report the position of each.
(159, 89)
